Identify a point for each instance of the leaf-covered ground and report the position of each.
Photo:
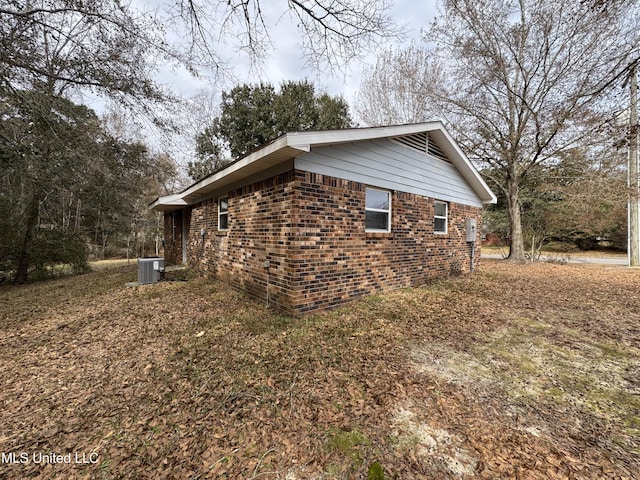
(528, 372)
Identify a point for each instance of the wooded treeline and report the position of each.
(533, 90)
(579, 202)
(530, 89)
(69, 188)
(69, 184)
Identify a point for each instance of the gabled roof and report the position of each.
(290, 145)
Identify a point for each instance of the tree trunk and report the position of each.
(516, 238)
(31, 222)
(104, 244)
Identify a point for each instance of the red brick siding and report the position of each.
(310, 228)
(259, 230)
(338, 261)
(173, 237)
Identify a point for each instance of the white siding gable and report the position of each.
(388, 164)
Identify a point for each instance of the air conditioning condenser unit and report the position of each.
(150, 269)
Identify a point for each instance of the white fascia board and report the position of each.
(328, 137)
(266, 157)
(167, 203)
(469, 172)
(240, 164)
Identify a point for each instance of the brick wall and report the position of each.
(338, 261)
(310, 228)
(259, 230)
(173, 237)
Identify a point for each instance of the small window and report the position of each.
(377, 210)
(440, 217)
(223, 213)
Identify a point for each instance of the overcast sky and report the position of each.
(286, 62)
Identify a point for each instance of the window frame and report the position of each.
(441, 217)
(223, 213)
(379, 210)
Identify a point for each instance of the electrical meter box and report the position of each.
(472, 228)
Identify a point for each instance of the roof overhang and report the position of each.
(168, 203)
(269, 156)
(457, 157)
(290, 145)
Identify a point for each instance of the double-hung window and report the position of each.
(223, 213)
(440, 217)
(377, 210)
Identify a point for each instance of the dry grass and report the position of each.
(551, 253)
(516, 372)
(111, 263)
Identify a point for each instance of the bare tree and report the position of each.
(331, 31)
(525, 80)
(193, 33)
(397, 90)
(61, 45)
(51, 50)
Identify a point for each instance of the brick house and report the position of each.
(313, 220)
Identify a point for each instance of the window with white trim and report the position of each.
(440, 210)
(377, 210)
(223, 213)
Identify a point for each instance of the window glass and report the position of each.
(377, 220)
(440, 217)
(440, 209)
(223, 214)
(377, 199)
(377, 210)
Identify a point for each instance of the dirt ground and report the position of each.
(519, 371)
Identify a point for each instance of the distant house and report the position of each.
(313, 220)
